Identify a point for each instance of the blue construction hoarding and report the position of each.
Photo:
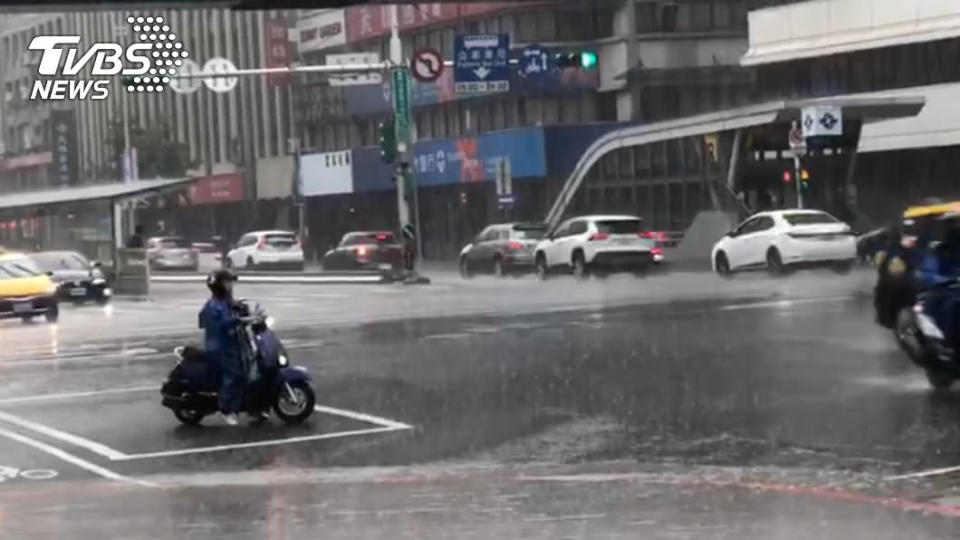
(534, 153)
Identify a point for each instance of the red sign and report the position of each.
(219, 188)
(275, 36)
(27, 160)
(365, 22)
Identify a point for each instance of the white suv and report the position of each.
(783, 239)
(600, 244)
(266, 248)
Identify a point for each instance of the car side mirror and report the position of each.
(732, 233)
(96, 264)
(49, 273)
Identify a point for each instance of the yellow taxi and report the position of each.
(25, 291)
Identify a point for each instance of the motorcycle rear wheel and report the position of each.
(295, 411)
(188, 417)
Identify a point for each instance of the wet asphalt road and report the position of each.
(754, 408)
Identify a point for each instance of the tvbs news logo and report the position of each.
(146, 66)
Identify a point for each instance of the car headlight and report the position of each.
(52, 288)
(108, 291)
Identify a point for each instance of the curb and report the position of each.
(295, 279)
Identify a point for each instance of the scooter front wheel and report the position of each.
(295, 402)
(188, 417)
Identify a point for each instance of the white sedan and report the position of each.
(783, 239)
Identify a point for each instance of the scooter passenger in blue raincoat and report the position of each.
(939, 267)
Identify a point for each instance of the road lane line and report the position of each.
(72, 459)
(784, 303)
(70, 395)
(369, 418)
(923, 474)
(258, 444)
(92, 446)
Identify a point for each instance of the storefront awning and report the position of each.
(50, 197)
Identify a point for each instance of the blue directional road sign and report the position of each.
(534, 62)
(481, 63)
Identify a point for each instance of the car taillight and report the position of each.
(382, 236)
(656, 251)
(514, 246)
(598, 236)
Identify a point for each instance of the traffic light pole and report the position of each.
(796, 180)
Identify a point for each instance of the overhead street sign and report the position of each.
(426, 65)
(534, 62)
(798, 143)
(818, 121)
(355, 78)
(220, 84)
(187, 85)
(481, 63)
(400, 79)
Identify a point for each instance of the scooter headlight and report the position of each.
(269, 322)
(928, 327)
(283, 360)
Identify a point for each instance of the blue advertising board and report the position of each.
(481, 63)
(565, 144)
(369, 172)
(474, 158)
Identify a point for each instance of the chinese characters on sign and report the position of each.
(322, 30)
(481, 63)
(365, 22)
(275, 37)
(63, 126)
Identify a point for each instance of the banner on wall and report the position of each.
(474, 158)
(216, 189)
(327, 173)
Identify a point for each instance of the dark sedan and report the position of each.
(78, 279)
(502, 249)
(366, 250)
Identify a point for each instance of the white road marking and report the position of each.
(274, 442)
(384, 425)
(369, 418)
(785, 303)
(71, 395)
(53, 433)
(72, 459)
(923, 474)
(276, 279)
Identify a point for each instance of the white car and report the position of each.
(600, 244)
(266, 248)
(783, 239)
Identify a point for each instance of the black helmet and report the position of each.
(216, 280)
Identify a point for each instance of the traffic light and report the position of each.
(787, 177)
(388, 140)
(579, 60)
(804, 179)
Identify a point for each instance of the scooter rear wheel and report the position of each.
(298, 407)
(940, 380)
(188, 417)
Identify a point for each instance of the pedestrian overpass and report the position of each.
(721, 161)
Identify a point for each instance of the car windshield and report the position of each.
(809, 218)
(619, 226)
(52, 262)
(18, 268)
(172, 243)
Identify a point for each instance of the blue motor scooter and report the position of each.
(190, 390)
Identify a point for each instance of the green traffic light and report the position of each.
(588, 59)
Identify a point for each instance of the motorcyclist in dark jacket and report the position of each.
(941, 266)
(222, 335)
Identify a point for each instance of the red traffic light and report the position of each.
(787, 177)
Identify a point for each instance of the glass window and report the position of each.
(280, 240)
(641, 161)
(577, 227)
(700, 16)
(658, 159)
(809, 218)
(51, 261)
(18, 268)
(528, 231)
(171, 243)
(619, 226)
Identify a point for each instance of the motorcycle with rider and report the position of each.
(243, 366)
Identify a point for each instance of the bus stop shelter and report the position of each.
(111, 196)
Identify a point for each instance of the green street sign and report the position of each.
(401, 102)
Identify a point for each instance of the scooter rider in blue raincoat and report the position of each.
(222, 334)
(940, 266)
